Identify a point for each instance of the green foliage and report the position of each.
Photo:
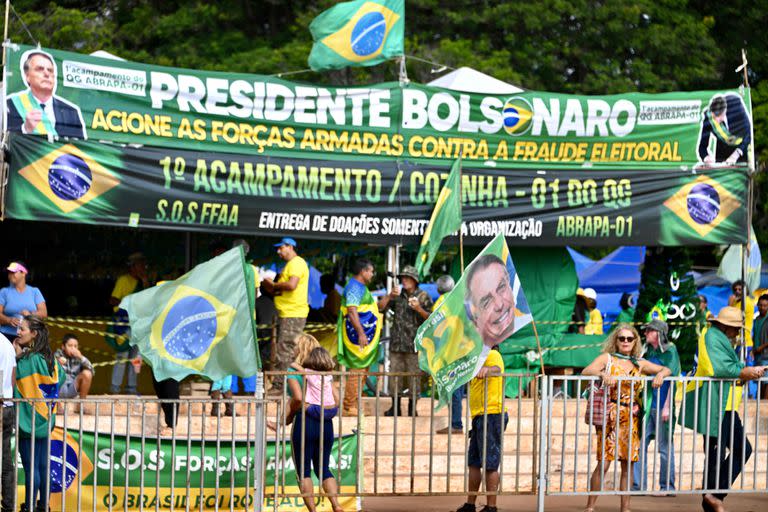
(661, 265)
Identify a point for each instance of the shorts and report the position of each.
(288, 330)
(222, 385)
(492, 444)
(69, 389)
(405, 362)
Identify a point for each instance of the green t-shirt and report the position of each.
(33, 380)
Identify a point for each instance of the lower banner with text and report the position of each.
(114, 472)
(372, 201)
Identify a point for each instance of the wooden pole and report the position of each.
(538, 346)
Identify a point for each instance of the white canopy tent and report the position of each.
(467, 79)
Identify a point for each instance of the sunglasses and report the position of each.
(625, 338)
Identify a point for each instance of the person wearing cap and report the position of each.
(135, 280)
(595, 319)
(411, 306)
(711, 407)
(660, 351)
(291, 292)
(741, 291)
(18, 300)
(579, 315)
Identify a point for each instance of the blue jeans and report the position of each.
(36, 480)
(666, 455)
(311, 450)
(456, 403)
(118, 371)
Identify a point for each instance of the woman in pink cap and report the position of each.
(19, 300)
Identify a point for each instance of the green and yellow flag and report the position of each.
(705, 206)
(201, 323)
(485, 308)
(446, 219)
(357, 33)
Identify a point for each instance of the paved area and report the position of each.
(687, 503)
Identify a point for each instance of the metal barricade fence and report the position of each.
(577, 457)
(116, 454)
(110, 454)
(401, 455)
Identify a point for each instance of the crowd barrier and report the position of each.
(110, 454)
(571, 445)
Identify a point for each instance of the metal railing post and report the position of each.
(541, 486)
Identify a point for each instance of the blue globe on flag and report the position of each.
(189, 328)
(368, 34)
(69, 177)
(517, 115)
(63, 456)
(703, 203)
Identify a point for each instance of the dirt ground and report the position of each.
(688, 503)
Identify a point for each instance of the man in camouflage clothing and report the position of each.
(411, 307)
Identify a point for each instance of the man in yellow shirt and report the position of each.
(486, 406)
(291, 292)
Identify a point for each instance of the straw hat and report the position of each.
(729, 316)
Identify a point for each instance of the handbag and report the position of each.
(597, 402)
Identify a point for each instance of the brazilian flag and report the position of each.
(709, 207)
(201, 323)
(53, 181)
(350, 352)
(357, 33)
(446, 218)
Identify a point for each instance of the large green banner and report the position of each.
(72, 95)
(104, 471)
(375, 201)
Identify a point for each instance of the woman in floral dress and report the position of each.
(620, 359)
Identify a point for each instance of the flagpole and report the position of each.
(538, 346)
(461, 225)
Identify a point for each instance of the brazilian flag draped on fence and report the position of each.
(201, 323)
(485, 308)
(357, 33)
(446, 218)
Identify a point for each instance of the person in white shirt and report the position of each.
(8, 371)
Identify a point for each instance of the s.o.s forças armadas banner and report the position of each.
(66, 94)
(384, 201)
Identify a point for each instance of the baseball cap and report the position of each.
(286, 241)
(17, 267)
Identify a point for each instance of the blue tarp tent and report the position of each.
(579, 260)
(616, 273)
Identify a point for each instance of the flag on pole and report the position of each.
(446, 219)
(486, 307)
(730, 265)
(201, 323)
(357, 33)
